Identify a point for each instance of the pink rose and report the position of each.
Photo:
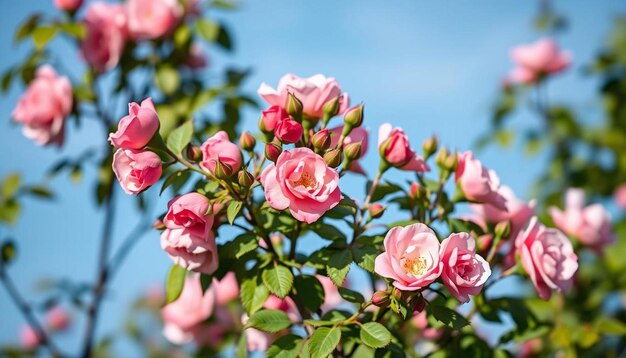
(411, 257)
(150, 19)
(332, 298)
(313, 92)
(547, 257)
(188, 238)
(136, 170)
(256, 340)
(286, 305)
(226, 289)
(42, 109)
(420, 321)
(479, 184)
(68, 5)
(591, 224)
(301, 181)
(106, 35)
(137, 128)
(183, 316)
(357, 135)
(396, 150)
(517, 212)
(288, 131)
(57, 318)
(197, 59)
(271, 116)
(538, 59)
(464, 272)
(220, 147)
(28, 337)
(620, 196)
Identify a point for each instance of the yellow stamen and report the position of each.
(414, 267)
(306, 180)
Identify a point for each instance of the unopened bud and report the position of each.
(245, 179)
(247, 141)
(321, 140)
(441, 157)
(503, 229)
(354, 116)
(380, 299)
(430, 146)
(333, 158)
(376, 210)
(451, 162)
(158, 224)
(294, 107)
(352, 151)
(194, 153)
(222, 170)
(331, 108)
(273, 151)
(418, 304)
(415, 190)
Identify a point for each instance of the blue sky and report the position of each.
(429, 67)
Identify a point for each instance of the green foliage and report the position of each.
(339, 266)
(269, 321)
(310, 291)
(375, 335)
(324, 340)
(178, 139)
(278, 279)
(448, 317)
(253, 293)
(175, 283)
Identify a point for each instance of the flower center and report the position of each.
(415, 267)
(306, 180)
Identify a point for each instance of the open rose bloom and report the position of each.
(136, 170)
(464, 272)
(106, 36)
(136, 129)
(479, 184)
(536, 60)
(397, 151)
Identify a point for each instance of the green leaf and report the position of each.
(167, 78)
(241, 351)
(287, 346)
(10, 185)
(75, 29)
(240, 245)
(382, 190)
(329, 232)
(224, 4)
(338, 266)
(450, 318)
(253, 293)
(208, 29)
(42, 35)
(365, 256)
(234, 207)
(610, 326)
(8, 251)
(278, 280)
(375, 335)
(310, 291)
(180, 137)
(350, 295)
(27, 27)
(324, 341)
(39, 191)
(10, 211)
(175, 282)
(179, 177)
(270, 321)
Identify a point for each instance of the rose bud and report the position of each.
(395, 150)
(158, 224)
(376, 210)
(273, 151)
(333, 158)
(136, 129)
(294, 106)
(354, 117)
(288, 131)
(247, 141)
(352, 151)
(430, 146)
(57, 318)
(270, 117)
(380, 299)
(503, 228)
(418, 304)
(222, 170)
(331, 108)
(194, 153)
(416, 191)
(321, 140)
(219, 147)
(451, 162)
(245, 179)
(441, 157)
(68, 5)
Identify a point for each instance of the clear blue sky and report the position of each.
(430, 67)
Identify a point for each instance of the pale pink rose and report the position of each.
(136, 170)
(301, 181)
(520, 75)
(106, 35)
(464, 272)
(183, 316)
(271, 116)
(479, 184)
(256, 340)
(288, 131)
(357, 135)
(538, 59)
(68, 5)
(42, 109)
(620, 196)
(397, 149)
(137, 128)
(332, 298)
(517, 212)
(285, 304)
(57, 318)
(313, 92)
(590, 225)
(220, 147)
(548, 258)
(188, 238)
(226, 289)
(411, 257)
(151, 19)
(28, 337)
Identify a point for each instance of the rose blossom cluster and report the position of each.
(535, 61)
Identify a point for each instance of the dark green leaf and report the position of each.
(175, 282)
(328, 232)
(240, 245)
(450, 318)
(287, 346)
(8, 251)
(375, 335)
(350, 295)
(382, 190)
(39, 191)
(269, 321)
(253, 293)
(338, 266)
(278, 280)
(179, 176)
(324, 341)
(27, 27)
(310, 291)
(365, 256)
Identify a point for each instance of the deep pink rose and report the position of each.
(185, 315)
(313, 92)
(517, 212)
(28, 337)
(42, 109)
(332, 298)
(271, 116)
(188, 238)
(57, 318)
(479, 184)
(301, 181)
(398, 151)
(226, 289)
(288, 131)
(547, 257)
(620, 196)
(411, 257)
(106, 35)
(220, 147)
(357, 135)
(464, 272)
(150, 19)
(137, 128)
(590, 225)
(538, 59)
(136, 170)
(68, 5)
